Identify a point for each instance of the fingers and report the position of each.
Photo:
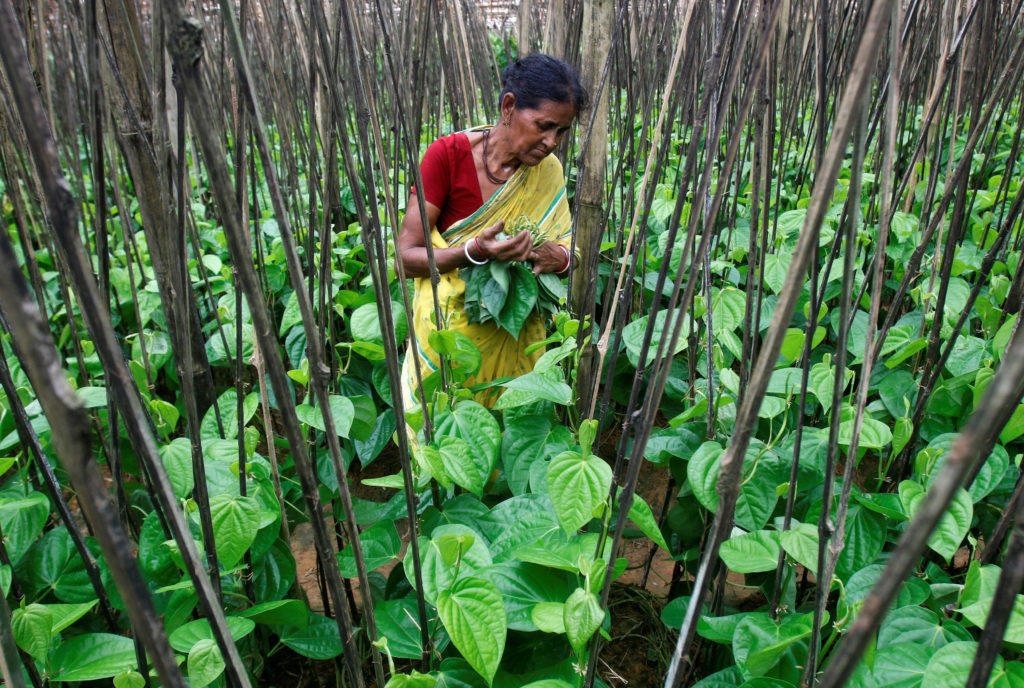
(516, 248)
(520, 247)
(492, 231)
(524, 244)
(548, 257)
(485, 239)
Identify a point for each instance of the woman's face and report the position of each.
(534, 132)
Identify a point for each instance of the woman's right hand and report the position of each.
(515, 248)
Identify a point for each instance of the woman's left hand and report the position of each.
(548, 257)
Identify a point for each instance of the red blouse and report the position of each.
(449, 179)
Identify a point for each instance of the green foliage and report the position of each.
(474, 616)
(92, 656)
(508, 293)
(516, 499)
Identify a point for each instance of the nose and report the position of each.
(551, 139)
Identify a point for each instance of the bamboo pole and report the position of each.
(972, 445)
(590, 185)
(732, 459)
(830, 535)
(602, 345)
(178, 275)
(68, 421)
(119, 380)
(146, 158)
(318, 367)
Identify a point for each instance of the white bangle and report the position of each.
(465, 249)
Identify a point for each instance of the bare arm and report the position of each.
(413, 250)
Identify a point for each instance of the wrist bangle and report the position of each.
(480, 248)
(465, 250)
(568, 259)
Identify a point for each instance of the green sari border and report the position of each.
(498, 196)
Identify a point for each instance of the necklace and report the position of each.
(487, 169)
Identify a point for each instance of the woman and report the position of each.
(473, 182)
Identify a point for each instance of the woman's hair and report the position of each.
(536, 78)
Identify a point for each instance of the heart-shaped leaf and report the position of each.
(577, 486)
(474, 616)
(751, 552)
(582, 616)
(236, 520)
(205, 663)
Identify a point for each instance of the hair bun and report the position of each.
(538, 77)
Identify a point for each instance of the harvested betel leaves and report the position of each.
(523, 222)
(507, 292)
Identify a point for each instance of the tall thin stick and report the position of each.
(746, 418)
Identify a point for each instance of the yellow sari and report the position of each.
(537, 192)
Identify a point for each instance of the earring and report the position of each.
(507, 121)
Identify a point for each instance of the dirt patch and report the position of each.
(659, 578)
(304, 552)
(652, 486)
(301, 543)
(641, 645)
(288, 668)
(305, 563)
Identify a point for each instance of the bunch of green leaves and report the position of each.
(524, 223)
(507, 292)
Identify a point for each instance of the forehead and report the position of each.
(552, 111)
